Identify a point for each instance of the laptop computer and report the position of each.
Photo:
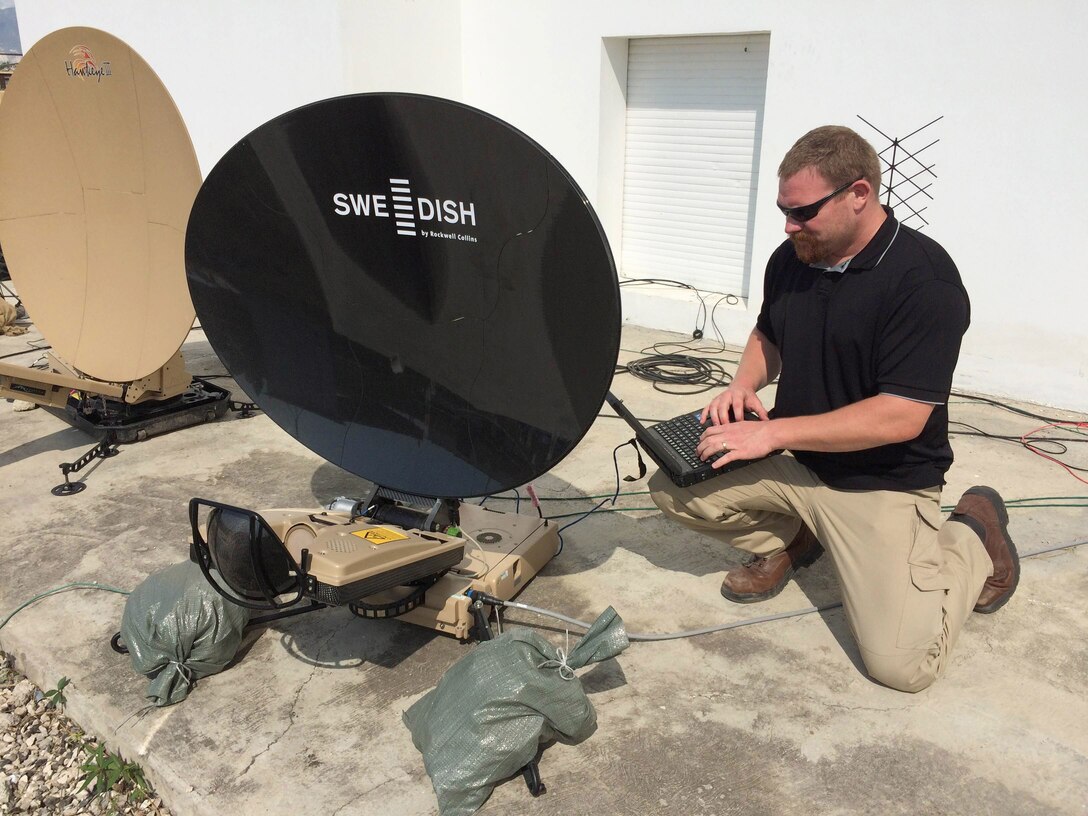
(671, 444)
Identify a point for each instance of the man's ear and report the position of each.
(863, 193)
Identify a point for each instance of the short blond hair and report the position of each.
(837, 153)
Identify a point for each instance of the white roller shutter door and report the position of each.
(694, 120)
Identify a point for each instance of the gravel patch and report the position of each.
(41, 754)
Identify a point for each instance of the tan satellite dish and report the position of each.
(97, 176)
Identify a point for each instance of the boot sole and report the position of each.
(1003, 516)
(756, 597)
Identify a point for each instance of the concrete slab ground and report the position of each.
(777, 718)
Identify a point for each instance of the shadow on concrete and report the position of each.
(835, 619)
(330, 641)
(605, 676)
(369, 641)
(61, 440)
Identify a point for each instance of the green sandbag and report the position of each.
(487, 716)
(177, 629)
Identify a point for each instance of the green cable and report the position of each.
(1032, 506)
(1047, 498)
(65, 588)
(1019, 504)
(1012, 504)
(1008, 502)
(947, 508)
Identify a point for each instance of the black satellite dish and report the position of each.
(412, 288)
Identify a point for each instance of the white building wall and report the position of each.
(998, 74)
(1010, 166)
(231, 66)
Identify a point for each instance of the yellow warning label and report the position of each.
(379, 535)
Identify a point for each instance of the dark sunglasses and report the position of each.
(809, 211)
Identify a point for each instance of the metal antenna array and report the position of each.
(910, 168)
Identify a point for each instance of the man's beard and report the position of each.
(811, 249)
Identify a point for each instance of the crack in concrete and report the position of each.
(848, 707)
(368, 791)
(294, 703)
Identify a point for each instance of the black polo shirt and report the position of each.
(890, 324)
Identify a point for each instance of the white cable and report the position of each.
(480, 559)
(634, 637)
(1054, 547)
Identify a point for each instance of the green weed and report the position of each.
(104, 772)
(55, 696)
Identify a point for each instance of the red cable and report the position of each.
(532, 495)
(1027, 444)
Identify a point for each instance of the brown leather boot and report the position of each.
(983, 506)
(763, 578)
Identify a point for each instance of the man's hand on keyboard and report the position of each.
(737, 440)
(731, 402)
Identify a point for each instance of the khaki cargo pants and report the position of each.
(908, 581)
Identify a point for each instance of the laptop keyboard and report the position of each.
(683, 433)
